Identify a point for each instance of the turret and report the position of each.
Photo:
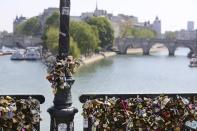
(157, 26)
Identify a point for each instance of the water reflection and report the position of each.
(94, 67)
(182, 51)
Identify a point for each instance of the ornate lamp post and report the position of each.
(62, 114)
(64, 28)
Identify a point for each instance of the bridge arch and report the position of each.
(170, 47)
(157, 47)
(124, 43)
(192, 50)
(133, 44)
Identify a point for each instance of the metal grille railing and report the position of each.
(20, 112)
(96, 106)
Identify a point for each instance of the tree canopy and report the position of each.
(170, 35)
(105, 30)
(53, 20)
(129, 31)
(125, 29)
(143, 33)
(74, 49)
(52, 37)
(30, 27)
(85, 35)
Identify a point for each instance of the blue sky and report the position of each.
(174, 14)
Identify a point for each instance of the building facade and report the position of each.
(42, 18)
(190, 26)
(186, 35)
(18, 20)
(156, 26)
(116, 21)
(47, 13)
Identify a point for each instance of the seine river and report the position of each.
(157, 73)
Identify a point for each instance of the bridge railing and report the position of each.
(129, 112)
(20, 112)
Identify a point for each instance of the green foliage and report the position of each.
(98, 49)
(74, 50)
(19, 29)
(53, 20)
(85, 35)
(52, 37)
(105, 30)
(125, 29)
(30, 27)
(170, 35)
(143, 33)
(138, 33)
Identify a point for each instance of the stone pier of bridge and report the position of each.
(146, 44)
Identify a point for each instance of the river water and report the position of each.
(157, 73)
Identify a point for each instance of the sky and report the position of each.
(174, 14)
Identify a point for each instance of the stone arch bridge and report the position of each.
(124, 43)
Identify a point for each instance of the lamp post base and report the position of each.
(62, 119)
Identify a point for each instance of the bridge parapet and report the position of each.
(124, 43)
(135, 111)
(20, 112)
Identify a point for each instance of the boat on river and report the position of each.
(32, 54)
(7, 51)
(193, 62)
(17, 56)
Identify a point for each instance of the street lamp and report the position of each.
(62, 113)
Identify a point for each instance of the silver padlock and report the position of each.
(62, 127)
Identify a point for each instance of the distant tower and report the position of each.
(98, 12)
(96, 6)
(190, 25)
(156, 26)
(17, 21)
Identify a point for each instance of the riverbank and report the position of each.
(102, 55)
(136, 51)
(96, 57)
(6, 53)
(48, 59)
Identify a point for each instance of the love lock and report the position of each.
(162, 112)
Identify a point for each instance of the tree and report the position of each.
(31, 27)
(105, 30)
(170, 35)
(53, 20)
(52, 37)
(144, 33)
(74, 49)
(125, 29)
(85, 36)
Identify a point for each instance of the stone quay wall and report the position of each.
(19, 41)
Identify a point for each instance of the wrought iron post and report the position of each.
(62, 113)
(64, 28)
